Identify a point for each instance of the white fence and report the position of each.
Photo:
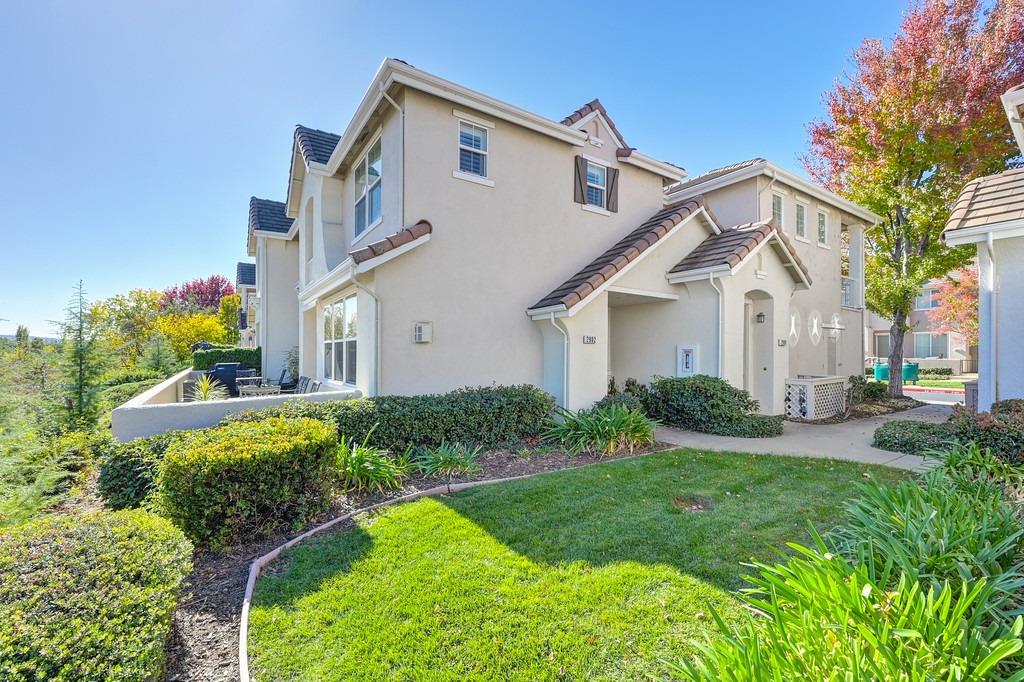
(814, 398)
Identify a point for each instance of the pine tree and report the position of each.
(21, 337)
(82, 364)
(157, 355)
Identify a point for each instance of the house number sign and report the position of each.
(589, 339)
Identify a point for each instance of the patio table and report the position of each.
(258, 390)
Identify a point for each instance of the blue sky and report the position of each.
(132, 134)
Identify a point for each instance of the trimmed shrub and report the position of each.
(876, 390)
(250, 358)
(937, 372)
(710, 405)
(855, 387)
(89, 597)
(603, 430)
(626, 400)
(127, 475)
(912, 437)
(238, 481)
(128, 376)
(119, 394)
(1000, 431)
(492, 417)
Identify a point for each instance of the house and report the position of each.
(245, 287)
(989, 213)
(924, 344)
(447, 238)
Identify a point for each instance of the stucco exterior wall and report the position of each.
(278, 266)
(1008, 320)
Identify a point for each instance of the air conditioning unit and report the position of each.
(422, 332)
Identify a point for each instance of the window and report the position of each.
(928, 345)
(801, 221)
(340, 340)
(822, 228)
(596, 184)
(777, 208)
(367, 187)
(472, 149)
(925, 299)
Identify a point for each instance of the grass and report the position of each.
(593, 573)
(941, 383)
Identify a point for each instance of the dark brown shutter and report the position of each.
(580, 184)
(613, 189)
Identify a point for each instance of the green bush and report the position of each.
(972, 462)
(912, 437)
(448, 459)
(365, 467)
(251, 358)
(626, 400)
(855, 387)
(89, 597)
(710, 405)
(119, 394)
(603, 430)
(128, 376)
(238, 481)
(876, 390)
(127, 475)
(492, 417)
(1000, 431)
(936, 372)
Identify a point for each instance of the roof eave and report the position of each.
(973, 235)
(665, 170)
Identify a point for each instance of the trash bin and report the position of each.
(881, 371)
(910, 372)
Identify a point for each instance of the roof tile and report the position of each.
(245, 275)
(988, 201)
(400, 238)
(316, 146)
(268, 216)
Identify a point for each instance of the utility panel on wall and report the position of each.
(686, 360)
(422, 332)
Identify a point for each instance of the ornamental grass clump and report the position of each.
(363, 467)
(602, 431)
(448, 459)
(237, 482)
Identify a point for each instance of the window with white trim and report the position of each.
(368, 189)
(822, 227)
(340, 340)
(597, 179)
(928, 345)
(472, 149)
(777, 208)
(801, 221)
(925, 299)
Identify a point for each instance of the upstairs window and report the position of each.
(925, 299)
(801, 221)
(340, 340)
(368, 189)
(472, 149)
(822, 227)
(596, 185)
(777, 208)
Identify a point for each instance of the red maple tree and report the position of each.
(203, 294)
(957, 313)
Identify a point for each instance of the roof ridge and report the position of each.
(589, 108)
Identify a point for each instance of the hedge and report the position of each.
(251, 358)
(490, 417)
(912, 437)
(1001, 430)
(235, 482)
(710, 405)
(89, 597)
(128, 376)
(127, 475)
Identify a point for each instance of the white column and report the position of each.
(986, 337)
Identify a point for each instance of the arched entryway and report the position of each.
(758, 346)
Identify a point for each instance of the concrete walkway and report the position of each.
(848, 440)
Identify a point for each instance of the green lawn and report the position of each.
(941, 383)
(589, 574)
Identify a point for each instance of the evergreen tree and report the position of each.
(158, 356)
(21, 337)
(83, 362)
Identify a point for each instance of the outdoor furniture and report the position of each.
(247, 377)
(225, 373)
(252, 391)
(286, 386)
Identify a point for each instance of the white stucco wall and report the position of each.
(1005, 320)
(278, 273)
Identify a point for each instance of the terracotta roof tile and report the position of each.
(623, 252)
(590, 107)
(717, 173)
(731, 246)
(400, 238)
(988, 201)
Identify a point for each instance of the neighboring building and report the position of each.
(990, 214)
(449, 239)
(923, 344)
(245, 286)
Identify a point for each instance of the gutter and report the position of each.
(721, 321)
(565, 362)
(376, 333)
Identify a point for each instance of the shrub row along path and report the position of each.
(849, 441)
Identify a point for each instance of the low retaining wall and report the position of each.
(156, 411)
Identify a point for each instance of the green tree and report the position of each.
(127, 320)
(158, 356)
(21, 338)
(228, 316)
(83, 362)
(908, 128)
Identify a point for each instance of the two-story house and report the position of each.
(447, 239)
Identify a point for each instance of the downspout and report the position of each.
(721, 321)
(993, 344)
(376, 332)
(771, 184)
(565, 362)
(401, 194)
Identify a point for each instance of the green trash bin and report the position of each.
(881, 371)
(910, 372)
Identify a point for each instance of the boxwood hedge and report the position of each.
(127, 471)
(912, 437)
(235, 482)
(205, 359)
(89, 597)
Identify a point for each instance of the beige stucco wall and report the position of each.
(1006, 321)
(277, 273)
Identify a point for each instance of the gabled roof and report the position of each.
(268, 216)
(245, 275)
(990, 200)
(729, 248)
(316, 146)
(717, 173)
(621, 254)
(589, 108)
(400, 238)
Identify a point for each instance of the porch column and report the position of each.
(986, 337)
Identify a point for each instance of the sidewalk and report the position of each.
(849, 440)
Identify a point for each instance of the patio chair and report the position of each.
(314, 387)
(248, 377)
(286, 386)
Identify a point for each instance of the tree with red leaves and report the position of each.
(908, 128)
(957, 313)
(197, 295)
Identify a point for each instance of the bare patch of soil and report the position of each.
(692, 503)
(203, 646)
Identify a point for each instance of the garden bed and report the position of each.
(868, 409)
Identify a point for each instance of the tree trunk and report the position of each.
(897, 332)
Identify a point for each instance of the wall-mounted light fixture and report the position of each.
(760, 318)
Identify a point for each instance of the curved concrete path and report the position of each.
(848, 440)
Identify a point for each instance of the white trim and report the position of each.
(596, 113)
(376, 261)
(643, 292)
(973, 235)
(470, 177)
(470, 118)
(594, 159)
(485, 152)
(272, 235)
(803, 240)
(367, 230)
(603, 186)
(817, 227)
(339, 276)
(695, 275)
(364, 155)
(665, 170)
(767, 168)
(591, 208)
(800, 203)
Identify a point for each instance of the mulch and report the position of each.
(867, 409)
(204, 640)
